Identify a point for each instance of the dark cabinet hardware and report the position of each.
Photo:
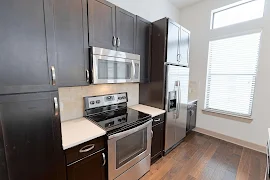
(157, 120)
(114, 41)
(53, 75)
(104, 159)
(118, 42)
(87, 76)
(87, 148)
(56, 106)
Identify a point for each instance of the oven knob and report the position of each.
(124, 97)
(92, 102)
(97, 101)
(119, 98)
(119, 120)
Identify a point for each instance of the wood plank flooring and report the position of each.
(201, 157)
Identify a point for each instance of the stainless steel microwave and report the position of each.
(109, 66)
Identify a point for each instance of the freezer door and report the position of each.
(176, 104)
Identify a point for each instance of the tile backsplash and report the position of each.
(71, 98)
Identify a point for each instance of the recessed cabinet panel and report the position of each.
(72, 42)
(32, 135)
(173, 43)
(27, 46)
(125, 30)
(101, 16)
(143, 47)
(184, 47)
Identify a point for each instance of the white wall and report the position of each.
(197, 19)
(150, 10)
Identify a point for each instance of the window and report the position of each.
(236, 13)
(231, 74)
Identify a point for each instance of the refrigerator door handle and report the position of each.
(179, 99)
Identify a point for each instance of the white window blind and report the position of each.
(232, 67)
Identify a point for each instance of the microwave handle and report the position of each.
(131, 131)
(134, 70)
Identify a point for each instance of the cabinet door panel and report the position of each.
(88, 168)
(101, 24)
(157, 140)
(27, 46)
(3, 165)
(143, 47)
(184, 47)
(72, 42)
(173, 42)
(125, 30)
(32, 137)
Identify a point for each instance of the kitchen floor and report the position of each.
(201, 157)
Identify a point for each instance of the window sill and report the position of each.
(227, 115)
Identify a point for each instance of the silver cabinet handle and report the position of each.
(114, 41)
(56, 106)
(178, 57)
(118, 42)
(87, 76)
(104, 159)
(152, 134)
(87, 148)
(157, 120)
(53, 75)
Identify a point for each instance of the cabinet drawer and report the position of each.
(78, 152)
(158, 119)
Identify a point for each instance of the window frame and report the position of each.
(230, 6)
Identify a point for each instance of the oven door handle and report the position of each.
(131, 131)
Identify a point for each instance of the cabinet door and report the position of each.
(72, 42)
(27, 46)
(101, 17)
(173, 42)
(3, 164)
(125, 30)
(143, 47)
(32, 135)
(88, 168)
(157, 140)
(188, 119)
(193, 116)
(184, 47)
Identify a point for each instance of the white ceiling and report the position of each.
(183, 3)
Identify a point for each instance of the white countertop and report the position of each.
(148, 110)
(78, 131)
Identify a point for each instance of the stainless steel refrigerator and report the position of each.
(168, 88)
(177, 80)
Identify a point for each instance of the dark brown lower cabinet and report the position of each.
(157, 142)
(92, 167)
(30, 137)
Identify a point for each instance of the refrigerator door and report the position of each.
(176, 104)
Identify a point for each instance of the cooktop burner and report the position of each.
(112, 114)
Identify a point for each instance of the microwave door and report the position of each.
(111, 70)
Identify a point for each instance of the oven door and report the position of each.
(108, 69)
(127, 148)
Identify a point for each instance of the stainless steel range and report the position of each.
(129, 135)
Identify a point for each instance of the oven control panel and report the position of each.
(105, 100)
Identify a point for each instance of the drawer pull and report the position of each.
(157, 120)
(87, 148)
(104, 159)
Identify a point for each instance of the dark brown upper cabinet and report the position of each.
(101, 21)
(71, 34)
(143, 47)
(125, 30)
(173, 42)
(111, 27)
(31, 134)
(177, 44)
(27, 46)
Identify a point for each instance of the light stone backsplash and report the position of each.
(71, 98)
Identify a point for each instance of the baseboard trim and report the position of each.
(239, 142)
